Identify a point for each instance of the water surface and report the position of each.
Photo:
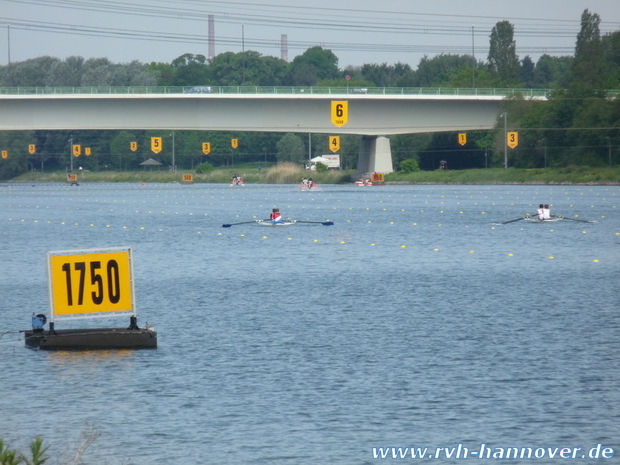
(413, 321)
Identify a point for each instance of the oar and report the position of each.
(243, 222)
(518, 219)
(573, 219)
(324, 223)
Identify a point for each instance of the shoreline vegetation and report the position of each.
(289, 173)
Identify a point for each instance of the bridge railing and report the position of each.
(281, 90)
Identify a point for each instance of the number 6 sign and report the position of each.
(92, 283)
(340, 112)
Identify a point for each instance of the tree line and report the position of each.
(578, 124)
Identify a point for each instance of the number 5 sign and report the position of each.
(92, 283)
(156, 144)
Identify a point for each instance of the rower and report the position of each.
(546, 212)
(276, 216)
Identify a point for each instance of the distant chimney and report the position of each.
(284, 47)
(211, 37)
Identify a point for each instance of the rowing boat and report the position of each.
(281, 223)
(533, 219)
(270, 223)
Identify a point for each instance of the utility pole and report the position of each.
(71, 152)
(174, 168)
(243, 50)
(505, 115)
(8, 42)
(473, 56)
(8, 49)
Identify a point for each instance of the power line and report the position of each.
(53, 27)
(415, 27)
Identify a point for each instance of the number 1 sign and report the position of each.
(91, 283)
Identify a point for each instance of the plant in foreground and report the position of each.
(13, 457)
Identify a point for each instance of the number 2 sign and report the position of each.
(92, 283)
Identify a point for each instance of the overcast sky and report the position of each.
(357, 31)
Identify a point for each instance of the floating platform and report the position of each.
(92, 339)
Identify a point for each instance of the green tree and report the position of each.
(227, 69)
(503, 59)
(290, 148)
(271, 71)
(29, 73)
(314, 65)
(163, 73)
(320, 167)
(590, 73)
(190, 70)
(482, 78)
(527, 71)
(15, 143)
(102, 72)
(408, 146)
(121, 156)
(204, 168)
(441, 70)
(410, 165)
(445, 146)
(552, 71)
(611, 45)
(66, 73)
(247, 68)
(189, 148)
(385, 75)
(98, 72)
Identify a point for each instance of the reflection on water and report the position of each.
(413, 320)
(85, 359)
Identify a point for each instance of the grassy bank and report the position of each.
(569, 175)
(283, 173)
(288, 173)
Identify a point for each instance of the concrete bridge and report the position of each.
(374, 113)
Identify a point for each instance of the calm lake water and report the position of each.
(413, 321)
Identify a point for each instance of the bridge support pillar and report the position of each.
(374, 156)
